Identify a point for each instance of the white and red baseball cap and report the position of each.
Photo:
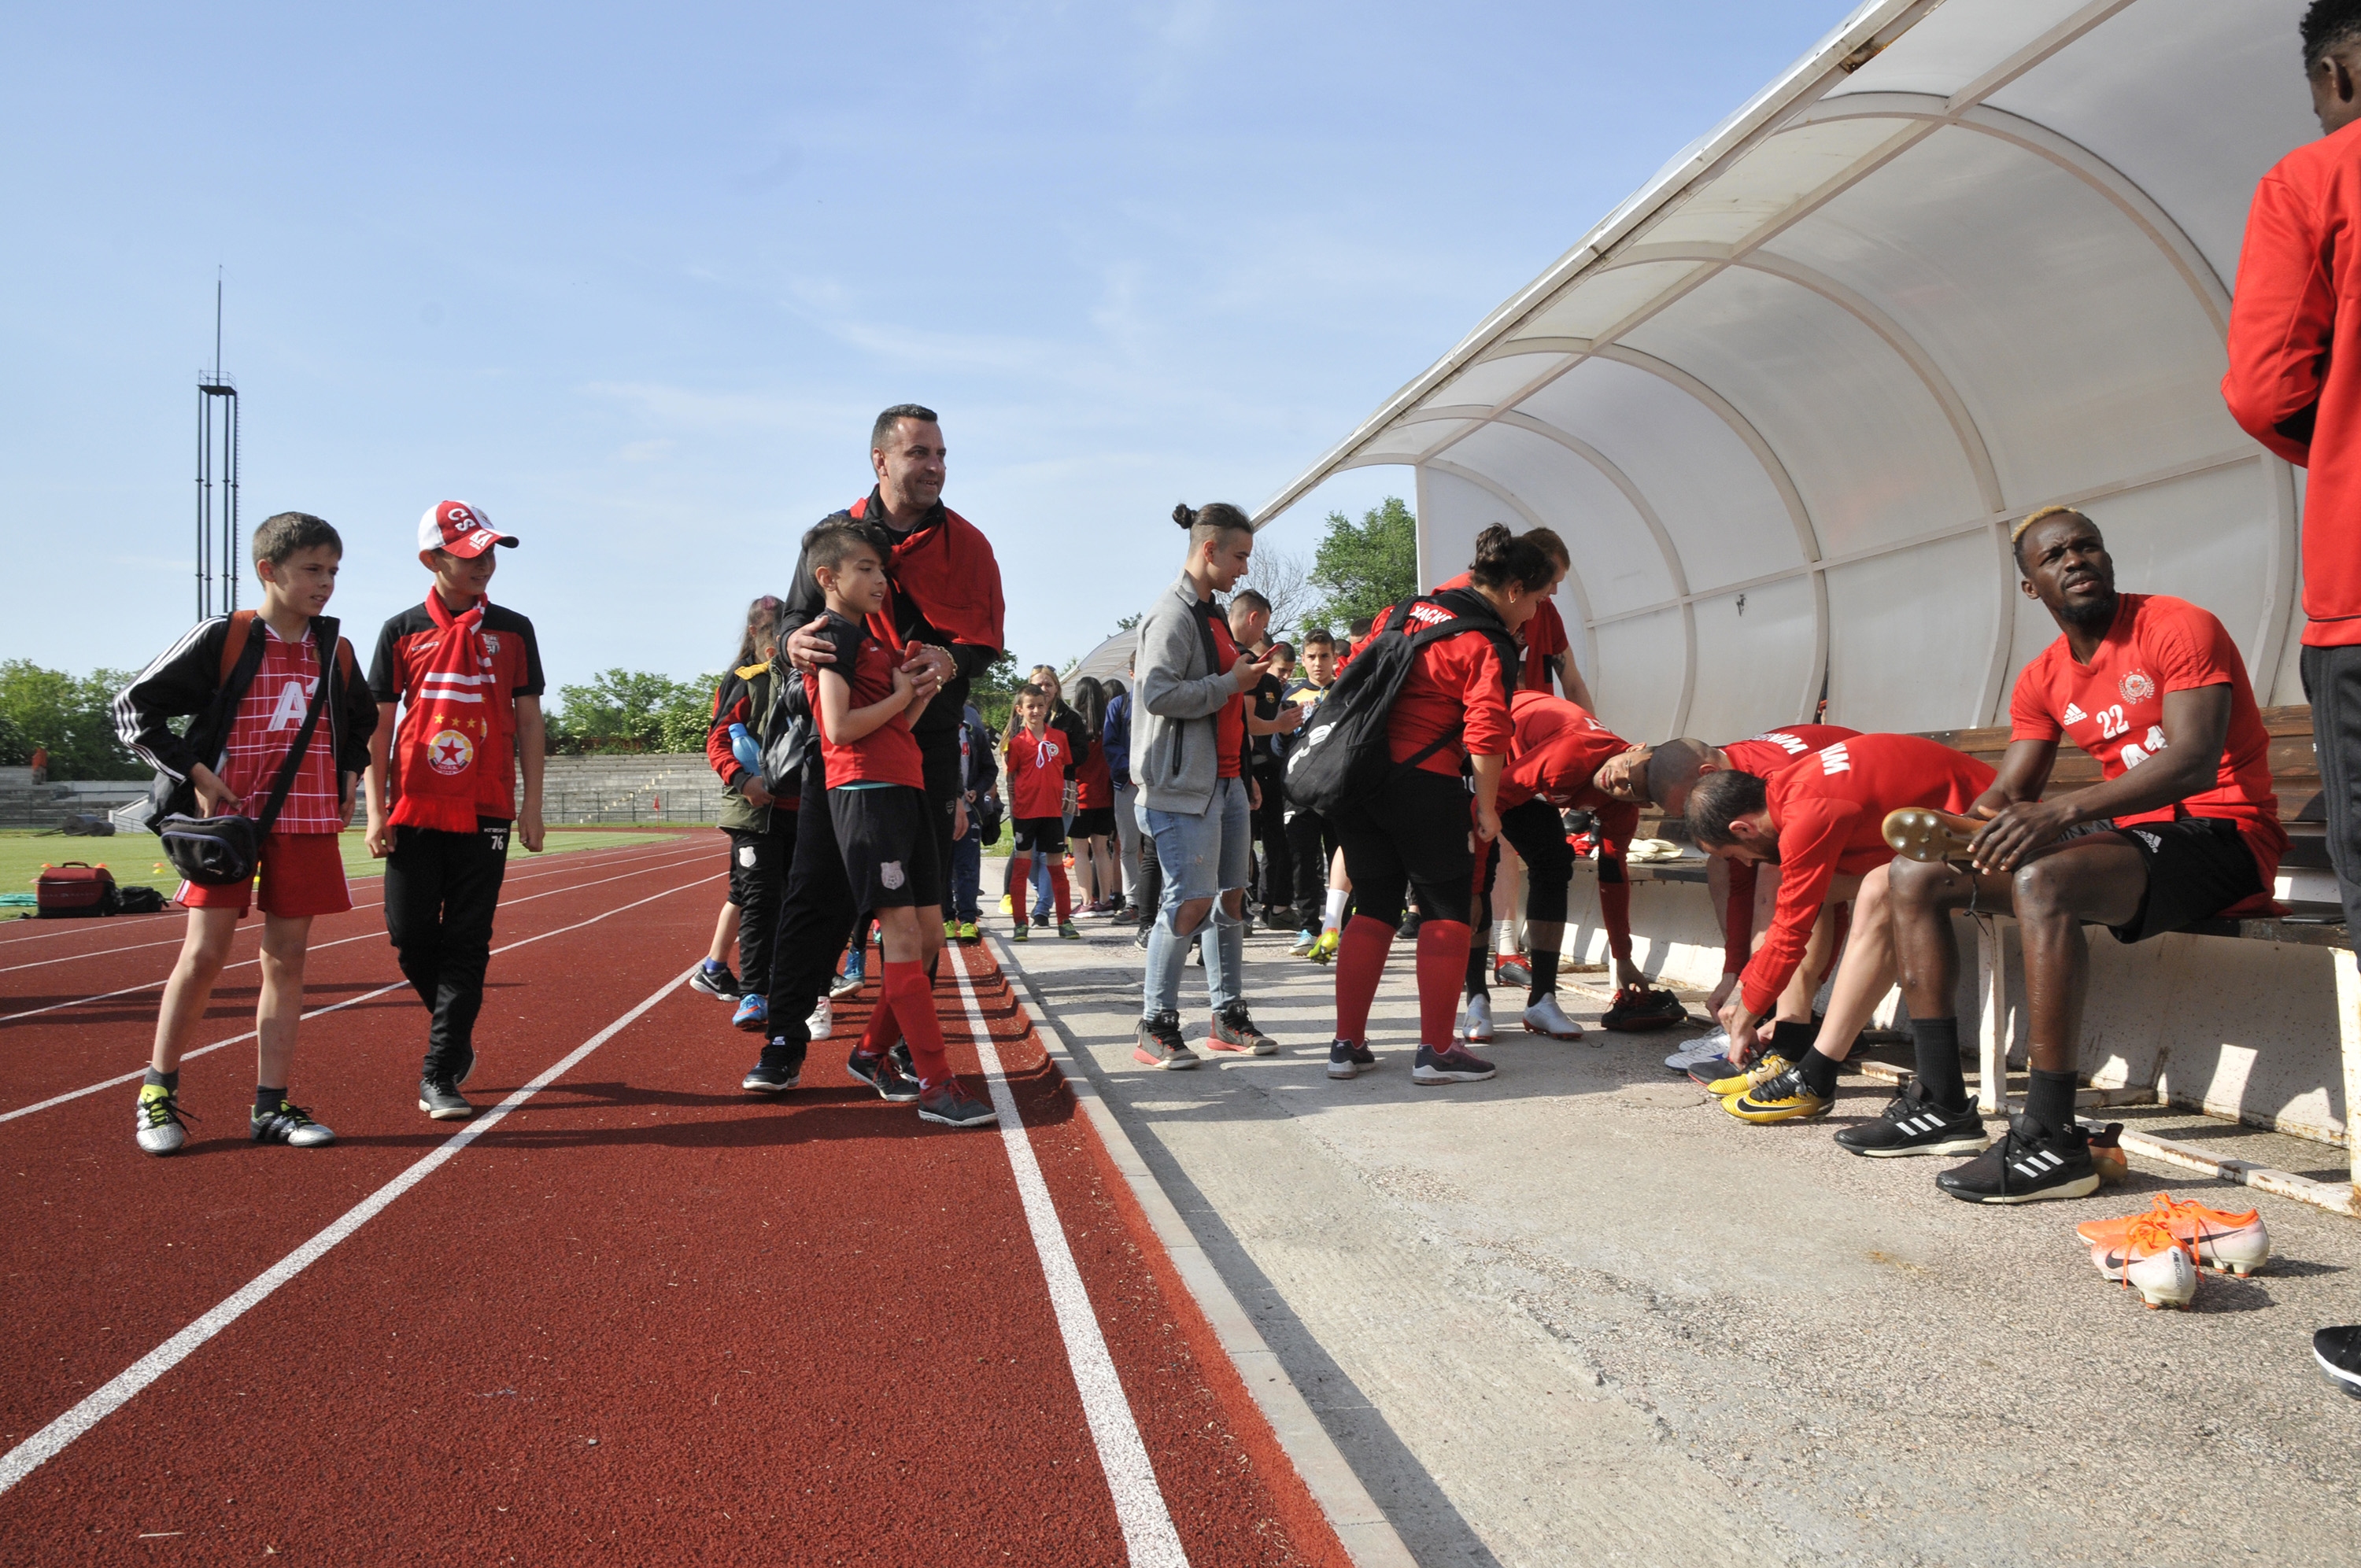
(459, 528)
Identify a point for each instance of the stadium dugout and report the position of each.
(1964, 260)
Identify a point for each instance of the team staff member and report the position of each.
(943, 610)
(1409, 835)
(2185, 826)
(442, 787)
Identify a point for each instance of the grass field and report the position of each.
(136, 858)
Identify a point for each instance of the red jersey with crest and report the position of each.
(1037, 772)
(269, 715)
(887, 754)
(2112, 708)
(1828, 808)
(1764, 755)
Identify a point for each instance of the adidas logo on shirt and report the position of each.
(2074, 715)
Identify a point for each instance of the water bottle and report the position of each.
(744, 747)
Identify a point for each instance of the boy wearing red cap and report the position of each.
(466, 674)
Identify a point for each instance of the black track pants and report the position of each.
(441, 890)
(758, 882)
(2331, 680)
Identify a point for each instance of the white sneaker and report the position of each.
(822, 1022)
(159, 1124)
(1703, 1049)
(1476, 1024)
(1546, 1017)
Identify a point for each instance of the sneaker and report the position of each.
(1276, 920)
(1349, 1058)
(462, 1059)
(290, 1124)
(951, 930)
(2152, 1260)
(2028, 1164)
(1785, 1098)
(1638, 1008)
(1141, 941)
(158, 1124)
(439, 1098)
(1021, 933)
(753, 1014)
(848, 983)
(967, 932)
(899, 1055)
(1196, 948)
(1476, 1022)
(1305, 940)
(952, 1106)
(715, 980)
(822, 1022)
(1068, 932)
(1160, 1044)
(1511, 969)
(1408, 932)
(780, 1068)
(1042, 918)
(880, 1073)
(1449, 1065)
(2234, 1243)
(1324, 947)
(2338, 1350)
(1234, 1031)
(1912, 1124)
(1696, 1053)
(1546, 1017)
(1741, 1078)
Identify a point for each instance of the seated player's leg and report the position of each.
(1932, 1113)
(1808, 1086)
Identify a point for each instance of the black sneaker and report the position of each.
(1349, 1058)
(462, 1061)
(715, 980)
(1234, 1032)
(1642, 1007)
(1912, 1124)
(439, 1098)
(880, 1074)
(1141, 941)
(780, 1068)
(2028, 1164)
(290, 1124)
(1277, 920)
(899, 1055)
(952, 1106)
(2338, 1350)
(1160, 1044)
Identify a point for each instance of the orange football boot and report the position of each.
(2150, 1258)
(2231, 1243)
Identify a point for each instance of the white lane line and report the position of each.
(339, 942)
(336, 1007)
(51, 1440)
(1148, 1534)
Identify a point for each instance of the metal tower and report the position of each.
(217, 574)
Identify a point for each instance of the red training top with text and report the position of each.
(1458, 680)
(1764, 755)
(887, 754)
(1557, 748)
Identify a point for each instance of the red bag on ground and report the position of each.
(73, 889)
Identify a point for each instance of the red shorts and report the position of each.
(302, 873)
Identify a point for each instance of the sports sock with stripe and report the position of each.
(1441, 959)
(914, 1009)
(2050, 1100)
(1360, 964)
(1937, 1045)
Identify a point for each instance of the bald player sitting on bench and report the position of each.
(1822, 819)
(2184, 828)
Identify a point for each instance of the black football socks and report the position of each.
(1819, 1073)
(2051, 1101)
(1937, 1041)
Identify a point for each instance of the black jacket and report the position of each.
(184, 681)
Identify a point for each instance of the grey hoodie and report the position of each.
(1174, 759)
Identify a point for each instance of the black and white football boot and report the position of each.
(2029, 1163)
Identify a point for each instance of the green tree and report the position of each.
(633, 710)
(995, 690)
(70, 714)
(1362, 568)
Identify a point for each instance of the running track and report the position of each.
(640, 1316)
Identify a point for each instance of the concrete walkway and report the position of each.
(1576, 1314)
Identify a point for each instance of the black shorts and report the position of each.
(1040, 836)
(888, 841)
(2197, 867)
(1094, 822)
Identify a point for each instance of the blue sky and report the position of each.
(635, 279)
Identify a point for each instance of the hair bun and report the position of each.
(1493, 542)
(1185, 515)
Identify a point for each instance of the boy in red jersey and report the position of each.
(867, 704)
(442, 787)
(1040, 761)
(2185, 826)
(230, 758)
(1822, 819)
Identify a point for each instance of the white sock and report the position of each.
(1335, 914)
(1506, 946)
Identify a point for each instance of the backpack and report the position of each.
(1342, 756)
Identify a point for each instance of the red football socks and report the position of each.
(1360, 964)
(913, 1001)
(1020, 887)
(1441, 960)
(1060, 889)
(879, 1037)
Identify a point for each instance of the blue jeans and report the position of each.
(967, 875)
(1203, 856)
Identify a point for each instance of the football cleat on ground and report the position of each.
(879, 1073)
(1698, 1052)
(290, 1124)
(1511, 969)
(1234, 1031)
(1324, 947)
(951, 1106)
(846, 983)
(1069, 931)
(1349, 1058)
(1546, 1017)
(2150, 1259)
(1020, 932)
(1159, 1044)
(2233, 1242)
(1785, 1098)
(2107, 1153)
(1476, 1022)
(1913, 1125)
(1305, 941)
(159, 1124)
(715, 980)
(1638, 1008)
(1923, 833)
(822, 1022)
(1449, 1065)
(967, 932)
(753, 1014)
(2338, 1351)
(2029, 1163)
(439, 1098)
(1764, 1069)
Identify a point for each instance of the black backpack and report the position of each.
(1342, 756)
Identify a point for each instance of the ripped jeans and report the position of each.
(1203, 856)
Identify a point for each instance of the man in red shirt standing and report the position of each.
(2184, 826)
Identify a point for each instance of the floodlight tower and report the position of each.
(216, 461)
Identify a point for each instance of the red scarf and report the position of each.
(952, 578)
(451, 760)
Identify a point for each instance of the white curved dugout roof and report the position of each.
(1966, 258)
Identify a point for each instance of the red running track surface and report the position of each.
(644, 1317)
